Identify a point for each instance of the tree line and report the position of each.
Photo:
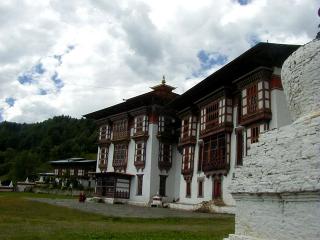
(25, 149)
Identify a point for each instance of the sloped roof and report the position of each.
(72, 161)
(147, 99)
(261, 55)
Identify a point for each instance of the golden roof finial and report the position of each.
(163, 80)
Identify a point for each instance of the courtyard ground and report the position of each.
(26, 216)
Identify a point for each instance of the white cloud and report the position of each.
(121, 48)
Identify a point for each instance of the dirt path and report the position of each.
(114, 210)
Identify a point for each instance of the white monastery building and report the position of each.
(186, 147)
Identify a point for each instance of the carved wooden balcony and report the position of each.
(212, 166)
(121, 136)
(262, 114)
(167, 136)
(121, 194)
(139, 164)
(103, 166)
(104, 141)
(214, 129)
(120, 166)
(164, 165)
(142, 135)
(187, 171)
(185, 140)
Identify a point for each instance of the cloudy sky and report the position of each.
(77, 56)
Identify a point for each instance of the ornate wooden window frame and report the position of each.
(255, 98)
(188, 188)
(165, 156)
(240, 147)
(216, 114)
(188, 127)
(200, 187)
(104, 132)
(103, 157)
(120, 156)
(253, 132)
(81, 172)
(166, 128)
(216, 153)
(140, 154)
(200, 157)
(162, 185)
(120, 130)
(217, 187)
(139, 184)
(187, 160)
(140, 125)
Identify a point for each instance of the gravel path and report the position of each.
(114, 210)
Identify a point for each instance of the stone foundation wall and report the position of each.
(284, 216)
(284, 160)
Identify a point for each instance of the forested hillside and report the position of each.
(25, 149)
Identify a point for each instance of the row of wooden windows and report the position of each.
(214, 149)
(216, 190)
(121, 151)
(71, 171)
(141, 122)
(162, 184)
(255, 97)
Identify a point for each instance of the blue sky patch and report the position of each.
(25, 78)
(71, 47)
(208, 60)
(253, 40)
(243, 2)
(30, 76)
(42, 92)
(57, 81)
(39, 68)
(59, 58)
(10, 101)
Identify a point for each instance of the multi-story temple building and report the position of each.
(223, 115)
(137, 153)
(187, 147)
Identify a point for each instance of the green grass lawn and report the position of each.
(24, 219)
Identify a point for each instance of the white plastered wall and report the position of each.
(151, 173)
(280, 112)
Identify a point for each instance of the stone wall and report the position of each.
(284, 160)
